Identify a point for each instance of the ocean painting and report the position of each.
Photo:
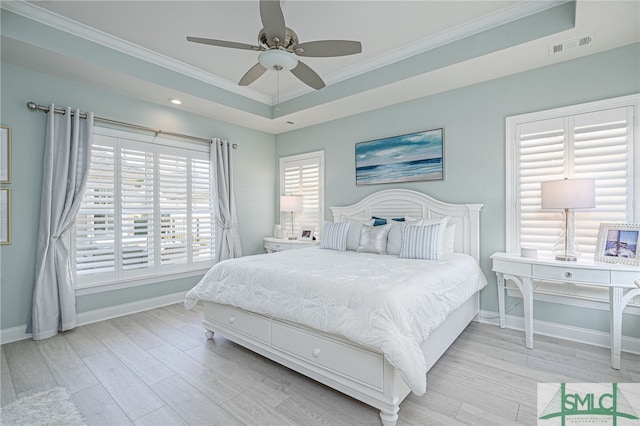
(405, 158)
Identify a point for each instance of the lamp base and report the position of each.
(566, 257)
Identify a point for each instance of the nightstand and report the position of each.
(622, 280)
(272, 245)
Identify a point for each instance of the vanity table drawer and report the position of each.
(567, 274)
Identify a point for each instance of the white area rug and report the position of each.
(52, 407)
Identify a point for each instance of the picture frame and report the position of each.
(410, 157)
(618, 243)
(5, 154)
(306, 233)
(5, 216)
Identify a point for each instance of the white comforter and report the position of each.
(382, 302)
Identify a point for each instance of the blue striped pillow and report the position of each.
(421, 242)
(334, 236)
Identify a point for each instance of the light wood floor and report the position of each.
(157, 368)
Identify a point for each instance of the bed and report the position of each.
(313, 310)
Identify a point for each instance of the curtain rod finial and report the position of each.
(32, 106)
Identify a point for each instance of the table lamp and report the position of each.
(568, 194)
(293, 204)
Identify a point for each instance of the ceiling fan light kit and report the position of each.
(279, 48)
(276, 59)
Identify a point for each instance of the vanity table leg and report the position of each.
(615, 310)
(500, 282)
(527, 300)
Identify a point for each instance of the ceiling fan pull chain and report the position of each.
(277, 90)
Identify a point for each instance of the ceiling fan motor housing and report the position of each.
(289, 42)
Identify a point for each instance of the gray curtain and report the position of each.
(66, 163)
(224, 204)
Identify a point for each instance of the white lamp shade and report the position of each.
(291, 203)
(569, 194)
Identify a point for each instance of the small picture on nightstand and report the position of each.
(618, 243)
(306, 233)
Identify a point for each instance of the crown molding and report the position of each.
(517, 11)
(44, 16)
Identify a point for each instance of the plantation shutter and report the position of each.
(596, 145)
(137, 206)
(202, 233)
(146, 209)
(173, 195)
(95, 222)
(303, 175)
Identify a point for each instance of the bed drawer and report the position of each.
(359, 364)
(236, 319)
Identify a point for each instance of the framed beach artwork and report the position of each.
(5, 154)
(5, 216)
(406, 158)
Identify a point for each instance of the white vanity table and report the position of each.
(522, 271)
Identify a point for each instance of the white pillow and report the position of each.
(334, 236)
(422, 241)
(373, 239)
(448, 246)
(394, 239)
(355, 227)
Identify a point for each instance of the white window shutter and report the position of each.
(95, 222)
(303, 175)
(172, 189)
(146, 209)
(202, 221)
(593, 145)
(137, 206)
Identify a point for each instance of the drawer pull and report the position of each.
(232, 320)
(315, 353)
(567, 274)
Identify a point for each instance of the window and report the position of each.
(304, 175)
(146, 209)
(596, 140)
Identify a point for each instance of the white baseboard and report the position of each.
(562, 331)
(13, 334)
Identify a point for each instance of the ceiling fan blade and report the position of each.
(308, 76)
(327, 48)
(272, 19)
(252, 75)
(223, 43)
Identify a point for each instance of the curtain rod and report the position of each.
(35, 107)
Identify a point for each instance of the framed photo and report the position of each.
(618, 243)
(5, 216)
(5, 154)
(306, 233)
(406, 158)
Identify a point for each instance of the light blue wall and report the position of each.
(473, 119)
(254, 178)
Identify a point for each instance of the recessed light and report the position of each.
(175, 101)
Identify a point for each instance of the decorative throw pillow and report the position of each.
(394, 239)
(422, 241)
(373, 239)
(355, 226)
(448, 245)
(334, 236)
(377, 221)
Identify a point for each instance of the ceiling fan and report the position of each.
(280, 49)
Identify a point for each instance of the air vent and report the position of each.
(573, 43)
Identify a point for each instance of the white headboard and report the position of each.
(405, 202)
